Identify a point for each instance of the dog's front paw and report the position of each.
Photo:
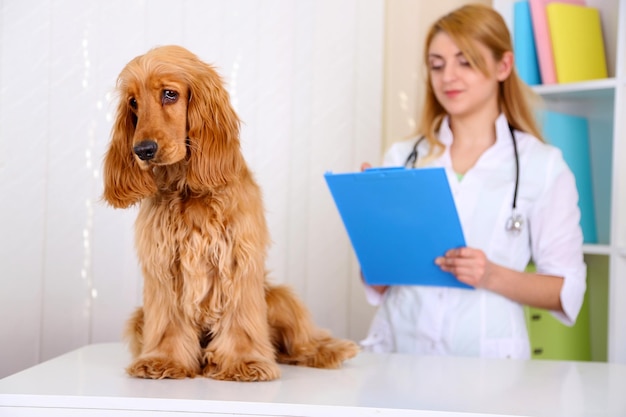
(158, 368)
(242, 371)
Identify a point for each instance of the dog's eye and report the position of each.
(169, 96)
(133, 103)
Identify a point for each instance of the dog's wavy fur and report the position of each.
(201, 235)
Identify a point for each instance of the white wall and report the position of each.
(305, 77)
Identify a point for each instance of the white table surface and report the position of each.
(91, 381)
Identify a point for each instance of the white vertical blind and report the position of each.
(306, 79)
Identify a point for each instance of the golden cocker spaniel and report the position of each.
(201, 235)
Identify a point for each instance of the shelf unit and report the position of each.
(603, 103)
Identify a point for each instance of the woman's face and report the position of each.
(461, 89)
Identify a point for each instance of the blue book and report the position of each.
(524, 45)
(571, 135)
(399, 220)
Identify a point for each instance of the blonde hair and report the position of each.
(467, 26)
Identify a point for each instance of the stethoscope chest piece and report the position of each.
(515, 223)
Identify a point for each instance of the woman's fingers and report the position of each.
(466, 264)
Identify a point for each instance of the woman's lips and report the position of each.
(452, 93)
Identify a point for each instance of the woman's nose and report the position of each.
(449, 72)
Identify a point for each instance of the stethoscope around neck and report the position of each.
(515, 222)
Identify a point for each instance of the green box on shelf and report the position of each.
(551, 339)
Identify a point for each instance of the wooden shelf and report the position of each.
(600, 88)
(603, 103)
(596, 249)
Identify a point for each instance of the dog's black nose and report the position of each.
(146, 150)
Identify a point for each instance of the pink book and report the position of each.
(542, 37)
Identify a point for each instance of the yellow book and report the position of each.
(577, 43)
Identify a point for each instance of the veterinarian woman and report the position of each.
(516, 199)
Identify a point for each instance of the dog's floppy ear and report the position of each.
(213, 130)
(125, 183)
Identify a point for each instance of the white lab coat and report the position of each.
(452, 321)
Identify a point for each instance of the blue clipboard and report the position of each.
(399, 220)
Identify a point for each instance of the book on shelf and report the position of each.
(524, 44)
(577, 43)
(542, 37)
(570, 134)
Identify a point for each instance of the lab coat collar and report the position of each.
(445, 133)
(503, 135)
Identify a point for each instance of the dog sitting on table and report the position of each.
(201, 235)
